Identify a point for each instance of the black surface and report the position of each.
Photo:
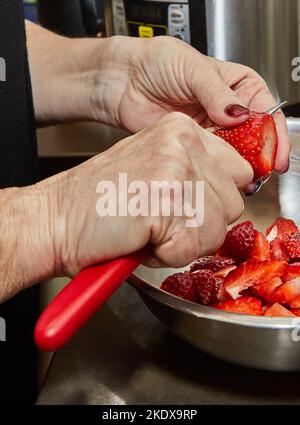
(74, 18)
(125, 356)
(18, 167)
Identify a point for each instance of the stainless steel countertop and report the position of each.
(87, 139)
(73, 140)
(124, 355)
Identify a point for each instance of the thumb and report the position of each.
(222, 105)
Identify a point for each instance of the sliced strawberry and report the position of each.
(252, 273)
(261, 248)
(295, 303)
(207, 285)
(256, 140)
(244, 305)
(212, 263)
(287, 292)
(290, 245)
(266, 290)
(239, 241)
(282, 226)
(182, 285)
(225, 272)
(278, 310)
(277, 252)
(292, 272)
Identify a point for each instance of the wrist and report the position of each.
(113, 68)
(26, 247)
(63, 72)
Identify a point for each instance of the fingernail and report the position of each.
(286, 168)
(236, 111)
(253, 187)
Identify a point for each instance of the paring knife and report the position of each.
(83, 296)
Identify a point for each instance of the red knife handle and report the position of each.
(76, 303)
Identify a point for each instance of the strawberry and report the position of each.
(287, 292)
(290, 245)
(295, 311)
(239, 241)
(292, 271)
(261, 248)
(212, 263)
(276, 250)
(225, 272)
(295, 303)
(282, 226)
(266, 290)
(277, 310)
(256, 140)
(207, 285)
(244, 305)
(252, 273)
(182, 285)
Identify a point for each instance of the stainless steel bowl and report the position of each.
(257, 342)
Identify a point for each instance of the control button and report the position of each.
(177, 21)
(178, 35)
(177, 14)
(145, 32)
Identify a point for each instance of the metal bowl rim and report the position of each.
(210, 313)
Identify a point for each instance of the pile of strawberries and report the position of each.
(250, 274)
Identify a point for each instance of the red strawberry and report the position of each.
(282, 226)
(256, 140)
(295, 303)
(292, 271)
(182, 285)
(276, 250)
(225, 272)
(207, 285)
(290, 245)
(278, 310)
(239, 241)
(212, 263)
(287, 292)
(266, 290)
(252, 273)
(244, 305)
(295, 311)
(261, 248)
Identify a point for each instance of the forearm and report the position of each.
(64, 73)
(26, 248)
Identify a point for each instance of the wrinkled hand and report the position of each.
(148, 78)
(53, 228)
(173, 149)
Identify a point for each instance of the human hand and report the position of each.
(173, 149)
(142, 80)
(52, 228)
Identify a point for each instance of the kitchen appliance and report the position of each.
(74, 18)
(263, 34)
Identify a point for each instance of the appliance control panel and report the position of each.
(150, 18)
(119, 17)
(179, 21)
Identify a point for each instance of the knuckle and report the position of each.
(179, 116)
